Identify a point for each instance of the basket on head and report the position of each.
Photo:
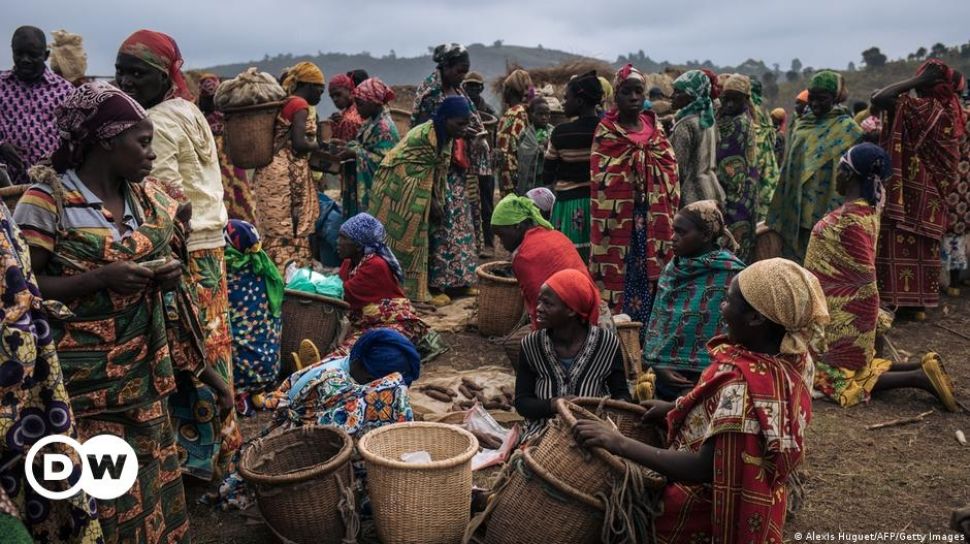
(426, 503)
(629, 334)
(626, 417)
(401, 118)
(11, 195)
(309, 316)
(302, 477)
(500, 303)
(249, 134)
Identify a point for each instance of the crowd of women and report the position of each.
(144, 272)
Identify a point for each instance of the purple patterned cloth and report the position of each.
(27, 116)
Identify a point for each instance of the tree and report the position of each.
(776, 68)
(938, 50)
(796, 65)
(792, 76)
(874, 58)
(850, 67)
(808, 71)
(920, 53)
(965, 51)
(498, 43)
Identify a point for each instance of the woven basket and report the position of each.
(536, 506)
(512, 344)
(301, 476)
(310, 316)
(629, 334)
(626, 417)
(11, 195)
(768, 243)
(401, 118)
(419, 503)
(249, 134)
(499, 301)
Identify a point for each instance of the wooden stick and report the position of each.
(900, 421)
(892, 350)
(951, 331)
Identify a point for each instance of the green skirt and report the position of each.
(571, 217)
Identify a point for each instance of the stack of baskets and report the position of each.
(249, 134)
(426, 503)
(500, 303)
(629, 334)
(304, 484)
(309, 316)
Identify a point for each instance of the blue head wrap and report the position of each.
(870, 163)
(369, 234)
(450, 108)
(384, 351)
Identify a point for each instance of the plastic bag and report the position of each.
(308, 281)
(496, 441)
(248, 89)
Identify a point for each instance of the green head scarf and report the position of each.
(697, 85)
(514, 209)
(757, 91)
(827, 80)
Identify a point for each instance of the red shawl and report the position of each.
(756, 408)
(350, 122)
(543, 252)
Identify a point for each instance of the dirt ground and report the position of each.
(897, 479)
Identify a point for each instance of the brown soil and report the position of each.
(906, 478)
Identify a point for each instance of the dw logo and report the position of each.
(108, 467)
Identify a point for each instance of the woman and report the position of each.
(532, 146)
(635, 195)
(687, 312)
(694, 138)
(372, 279)
(346, 122)
(36, 399)
(568, 356)
(923, 135)
(737, 157)
(517, 91)
(148, 68)
(779, 118)
(736, 438)
(806, 189)
(255, 309)
(955, 242)
(842, 254)
(109, 275)
(376, 136)
(566, 166)
(237, 192)
(766, 145)
(289, 207)
(409, 192)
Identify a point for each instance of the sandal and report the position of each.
(942, 384)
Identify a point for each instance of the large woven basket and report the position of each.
(500, 302)
(304, 482)
(249, 134)
(626, 417)
(629, 334)
(537, 506)
(512, 344)
(768, 243)
(419, 503)
(401, 118)
(309, 316)
(11, 195)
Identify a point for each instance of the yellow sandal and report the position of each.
(942, 384)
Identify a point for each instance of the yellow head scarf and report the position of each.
(789, 295)
(607, 90)
(304, 72)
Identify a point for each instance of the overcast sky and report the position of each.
(822, 33)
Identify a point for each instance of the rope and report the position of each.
(348, 511)
(631, 508)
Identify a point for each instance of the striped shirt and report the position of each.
(36, 213)
(566, 164)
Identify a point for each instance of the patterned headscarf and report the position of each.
(871, 163)
(578, 292)
(588, 87)
(368, 233)
(697, 86)
(829, 81)
(159, 51)
(93, 112)
(948, 90)
(706, 215)
(788, 295)
(514, 209)
(607, 89)
(374, 90)
(757, 91)
(628, 72)
(303, 72)
(521, 82)
(244, 252)
(543, 198)
(342, 81)
(715, 82)
(448, 53)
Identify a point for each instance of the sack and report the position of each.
(67, 55)
(248, 89)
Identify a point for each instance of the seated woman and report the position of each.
(687, 311)
(842, 254)
(373, 282)
(738, 436)
(568, 356)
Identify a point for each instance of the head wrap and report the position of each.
(303, 72)
(628, 72)
(607, 89)
(244, 252)
(829, 81)
(555, 105)
(588, 87)
(451, 107)
(358, 76)
(802, 96)
(697, 86)
(577, 292)
(870, 163)
(342, 81)
(385, 351)
(872, 124)
(738, 83)
(374, 90)
(947, 90)
(91, 113)
(757, 91)
(779, 114)
(448, 53)
(543, 198)
(706, 215)
(788, 295)
(162, 53)
(474, 77)
(368, 233)
(715, 83)
(514, 209)
(208, 84)
(521, 82)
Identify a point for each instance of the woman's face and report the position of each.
(455, 126)
(551, 312)
(452, 74)
(139, 80)
(737, 315)
(130, 152)
(509, 236)
(347, 248)
(341, 97)
(572, 103)
(680, 99)
(733, 103)
(629, 97)
(820, 101)
(688, 239)
(539, 114)
(368, 109)
(311, 92)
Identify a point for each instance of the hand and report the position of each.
(336, 117)
(12, 156)
(656, 412)
(673, 378)
(932, 74)
(595, 434)
(470, 133)
(226, 401)
(125, 277)
(168, 275)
